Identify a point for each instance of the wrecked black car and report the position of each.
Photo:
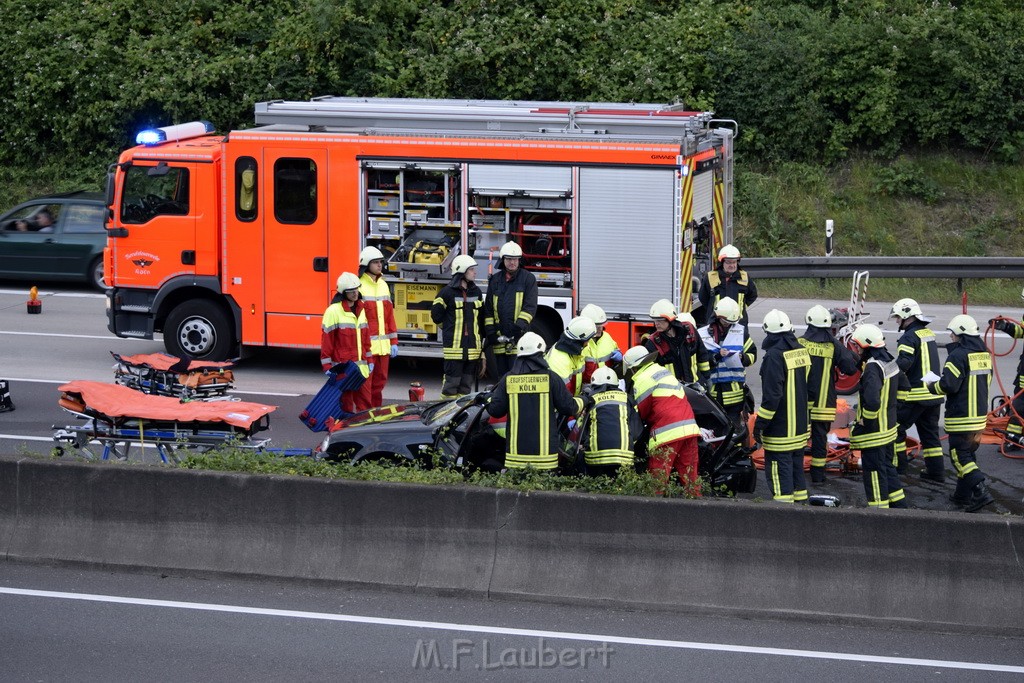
(459, 433)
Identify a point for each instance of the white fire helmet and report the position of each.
(595, 313)
(347, 281)
(728, 251)
(818, 316)
(510, 249)
(632, 358)
(580, 328)
(962, 325)
(462, 263)
(904, 308)
(663, 308)
(604, 375)
(776, 322)
(530, 343)
(370, 254)
(727, 308)
(869, 335)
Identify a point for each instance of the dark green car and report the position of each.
(60, 237)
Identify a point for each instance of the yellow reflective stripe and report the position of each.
(785, 443)
(763, 412)
(823, 414)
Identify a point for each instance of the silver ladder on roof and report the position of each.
(583, 119)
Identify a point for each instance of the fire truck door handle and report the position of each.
(117, 232)
(320, 264)
(188, 257)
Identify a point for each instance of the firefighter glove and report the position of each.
(482, 398)
(588, 401)
(616, 356)
(394, 350)
(1003, 326)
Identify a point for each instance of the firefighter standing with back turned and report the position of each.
(612, 427)
(510, 305)
(783, 420)
(917, 354)
(726, 281)
(380, 317)
(874, 434)
(457, 310)
(964, 381)
(345, 335)
(532, 396)
(1015, 429)
(827, 357)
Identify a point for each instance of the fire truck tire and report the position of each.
(199, 329)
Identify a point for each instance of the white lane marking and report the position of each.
(109, 337)
(71, 295)
(19, 437)
(65, 381)
(499, 630)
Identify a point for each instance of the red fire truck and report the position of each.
(220, 241)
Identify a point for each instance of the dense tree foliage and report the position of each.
(812, 80)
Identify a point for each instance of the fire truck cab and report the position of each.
(220, 241)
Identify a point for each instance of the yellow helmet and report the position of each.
(347, 281)
(595, 313)
(604, 375)
(663, 308)
(904, 308)
(728, 251)
(962, 325)
(530, 343)
(728, 308)
(818, 316)
(869, 335)
(370, 254)
(776, 322)
(462, 263)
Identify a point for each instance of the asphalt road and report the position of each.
(69, 340)
(97, 625)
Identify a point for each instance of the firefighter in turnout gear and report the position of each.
(662, 404)
(602, 350)
(567, 357)
(532, 396)
(510, 305)
(612, 428)
(678, 344)
(964, 382)
(380, 317)
(917, 354)
(1015, 430)
(457, 310)
(732, 349)
(345, 336)
(828, 357)
(728, 280)
(783, 420)
(874, 434)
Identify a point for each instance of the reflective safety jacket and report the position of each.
(532, 396)
(380, 314)
(918, 354)
(612, 428)
(457, 311)
(876, 412)
(345, 335)
(598, 352)
(567, 360)
(510, 305)
(964, 381)
(783, 416)
(716, 285)
(661, 401)
(683, 352)
(727, 374)
(828, 357)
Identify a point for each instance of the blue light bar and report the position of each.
(182, 131)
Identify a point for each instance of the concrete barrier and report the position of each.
(913, 568)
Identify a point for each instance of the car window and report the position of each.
(80, 218)
(34, 218)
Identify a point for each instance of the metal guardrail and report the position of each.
(885, 266)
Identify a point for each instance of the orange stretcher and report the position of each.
(117, 417)
(165, 375)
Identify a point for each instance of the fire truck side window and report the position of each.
(151, 191)
(246, 192)
(295, 191)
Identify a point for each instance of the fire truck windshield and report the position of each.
(146, 195)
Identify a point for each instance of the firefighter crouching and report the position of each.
(345, 335)
(827, 357)
(510, 305)
(917, 355)
(612, 427)
(1015, 429)
(874, 434)
(677, 343)
(964, 381)
(728, 280)
(380, 317)
(532, 396)
(662, 404)
(783, 421)
(732, 349)
(601, 350)
(456, 309)
(566, 358)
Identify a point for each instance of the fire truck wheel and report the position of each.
(198, 329)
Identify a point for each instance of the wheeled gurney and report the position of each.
(118, 417)
(163, 375)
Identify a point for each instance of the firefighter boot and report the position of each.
(901, 461)
(979, 498)
(934, 470)
(817, 475)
